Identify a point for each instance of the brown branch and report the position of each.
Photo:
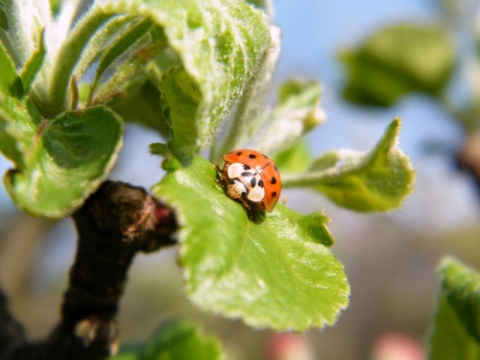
(114, 224)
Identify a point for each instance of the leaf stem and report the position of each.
(115, 223)
(309, 179)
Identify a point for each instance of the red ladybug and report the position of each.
(251, 178)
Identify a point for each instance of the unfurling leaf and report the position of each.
(377, 180)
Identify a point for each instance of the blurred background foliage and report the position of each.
(358, 50)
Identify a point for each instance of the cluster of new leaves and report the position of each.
(183, 68)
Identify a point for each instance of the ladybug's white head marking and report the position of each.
(237, 190)
(247, 182)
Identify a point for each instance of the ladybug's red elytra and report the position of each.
(251, 178)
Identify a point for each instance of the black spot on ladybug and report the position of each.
(253, 181)
(260, 183)
(274, 194)
(246, 174)
(246, 167)
(252, 156)
(239, 153)
(273, 180)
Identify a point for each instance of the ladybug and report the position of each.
(251, 178)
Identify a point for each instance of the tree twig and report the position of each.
(114, 224)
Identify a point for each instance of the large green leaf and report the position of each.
(269, 269)
(398, 60)
(219, 44)
(377, 180)
(62, 161)
(456, 329)
(175, 340)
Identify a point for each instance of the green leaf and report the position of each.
(99, 41)
(270, 269)
(56, 6)
(175, 340)
(377, 180)
(170, 161)
(248, 114)
(398, 60)
(456, 326)
(33, 65)
(219, 44)
(61, 161)
(296, 113)
(52, 97)
(461, 287)
(25, 21)
(141, 94)
(19, 122)
(3, 17)
(9, 78)
(115, 49)
(266, 5)
(180, 340)
(295, 159)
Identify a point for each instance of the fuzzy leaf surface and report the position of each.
(248, 115)
(219, 44)
(23, 26)
(60, 162)
(272, 270)
(380, 72)
(456, 325)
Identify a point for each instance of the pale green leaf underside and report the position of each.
(220, 44)
(175, 340)
(272, 271)
(65, 162)
(378, 180)
(455, 333)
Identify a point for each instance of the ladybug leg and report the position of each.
(245, 204)
(220, 180)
